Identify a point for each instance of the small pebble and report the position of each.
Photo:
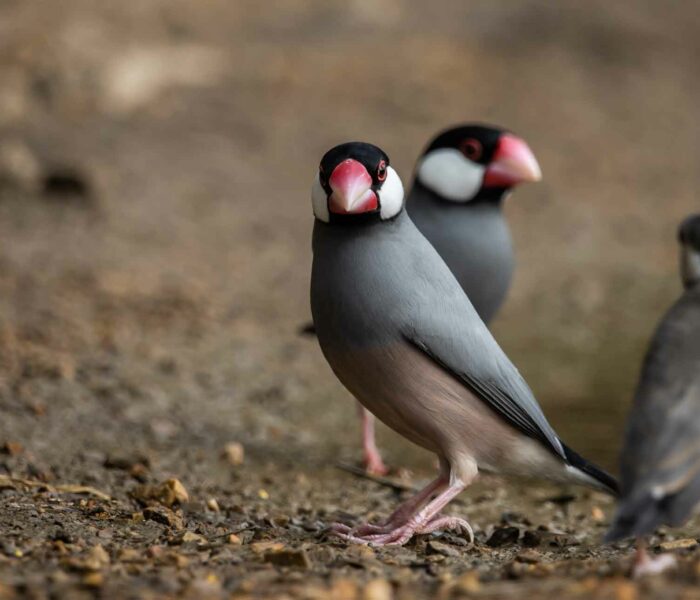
(234, 453)
(440, 548)
(378, 589)
(288, 557)
(679, 544)
(503, 536)
(597, 514)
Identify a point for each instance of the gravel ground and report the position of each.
(165, 431)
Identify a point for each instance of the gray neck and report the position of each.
(690, 266)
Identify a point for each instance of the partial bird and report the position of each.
(660, 459)
(456, 200)
(402, 336)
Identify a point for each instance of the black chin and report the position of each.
(365, 218)
(490, 194)
(493, 195)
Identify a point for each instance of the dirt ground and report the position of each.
(165, 431)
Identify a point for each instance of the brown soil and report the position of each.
(155, 160)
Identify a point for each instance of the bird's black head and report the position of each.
(476, 162)
(356, 184)
(689, 238)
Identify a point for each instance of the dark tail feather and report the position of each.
(308, 329)
(607, 481)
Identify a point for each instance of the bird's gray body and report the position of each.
(660, 467)
(402, 336)
(474, 241)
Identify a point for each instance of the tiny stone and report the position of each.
(263, 547)
(131, 555)
(468, 583)
(212, 504)
(440, 548)
(343, 589)
(234, 453)
(378, 589)
(168, 493)
(190, 537)
(280, 520)
(93, 580)
(625, 590)
(99, 555)
(679, 544)
(531, 539)
(529, 556)
(234, 539)
(288, 558)
(163, 515)
(12, 448)
(597, 514)
(503, 536)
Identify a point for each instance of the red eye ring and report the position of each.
(471, 148)
(381, 170)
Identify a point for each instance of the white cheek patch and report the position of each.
(448, 173)
(391, 195)
(319, 201)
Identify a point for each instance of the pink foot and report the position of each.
(410, 519)
(374, 465)
(371, 534)
(647, 565)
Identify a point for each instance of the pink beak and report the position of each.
(512, 163)
(352, 189)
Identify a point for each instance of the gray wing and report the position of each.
(453, 336)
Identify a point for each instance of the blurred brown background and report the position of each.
(155, 165)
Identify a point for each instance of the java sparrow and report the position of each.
(456, 201)
(402, 336)
(660, 459)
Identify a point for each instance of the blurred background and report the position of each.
(155, 166)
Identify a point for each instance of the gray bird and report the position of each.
(456, 202)
(660, 459)
(402, 336)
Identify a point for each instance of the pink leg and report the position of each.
(423, 520)
(646, 565)
(372, 458)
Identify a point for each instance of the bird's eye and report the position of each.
(381, 170)
(471, 148)
(321, 175)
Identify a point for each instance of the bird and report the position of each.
(456, 200)
(401, 335)
(660, 457)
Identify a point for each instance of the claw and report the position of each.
(386, 536)
(449, 523)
